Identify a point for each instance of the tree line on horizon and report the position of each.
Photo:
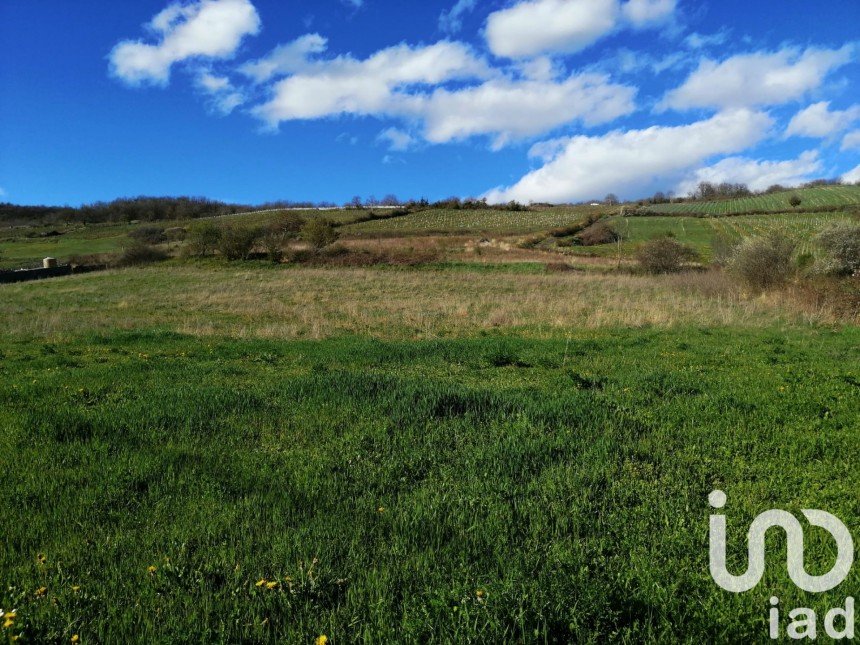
(150, 209)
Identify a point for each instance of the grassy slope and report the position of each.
(822, 196)
(700, 232)
(565, 479)
(16, 249)
(477, 221)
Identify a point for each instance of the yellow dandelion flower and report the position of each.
(480, 593)
(76, 588)
(152, 569)
(75, 638)
(271, 585)
(41, 591)
(261, 582)
(10, 615)
(322, 639)
(8, 623)
(381, 509)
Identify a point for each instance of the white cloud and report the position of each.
(404, 82)
(537, 26)
(581, 167)
(627, 61)
(516, 109)
(397, 140)
(541, 68)
(818, 121)
(757, 79)
(345, 85)
(285, 59)
(642, 13)
(758, 175)
(211, 29)
(223, 97)
(451, 21)
(703, 41)
(851, 141)
(852, 176)
(532, 27)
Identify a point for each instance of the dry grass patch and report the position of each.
(323, 302)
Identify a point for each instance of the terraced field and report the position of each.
(478, 221)
(820, 197)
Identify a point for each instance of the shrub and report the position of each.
(664, 255)
(149, 234)
(319, 233)
(287, 223)
(764, 262)
(237, 242)
(841, 243)
(203, 239)
(138, 253)
(724, 248)
(558, 267)
(596, 234)
(275, 236)
(795, 201)
(175, 234)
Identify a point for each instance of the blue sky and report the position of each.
(541, 100)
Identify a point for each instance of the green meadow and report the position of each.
(484, 447)
(700, 232)
(164, 488)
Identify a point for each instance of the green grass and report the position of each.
(565, 479)
(819, 197)
(17, 249)
(700, 232)
(474, 221)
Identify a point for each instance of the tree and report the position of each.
(611, 200)
(319, 233)
(203, 238)
(237, 242)
(276, 235)
(390, 200)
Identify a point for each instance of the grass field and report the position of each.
(483, 489)
(819, 197)
(17, 249)
(268, 302)
(476, 450)
(700, 232)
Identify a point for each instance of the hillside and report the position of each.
(812, 198)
